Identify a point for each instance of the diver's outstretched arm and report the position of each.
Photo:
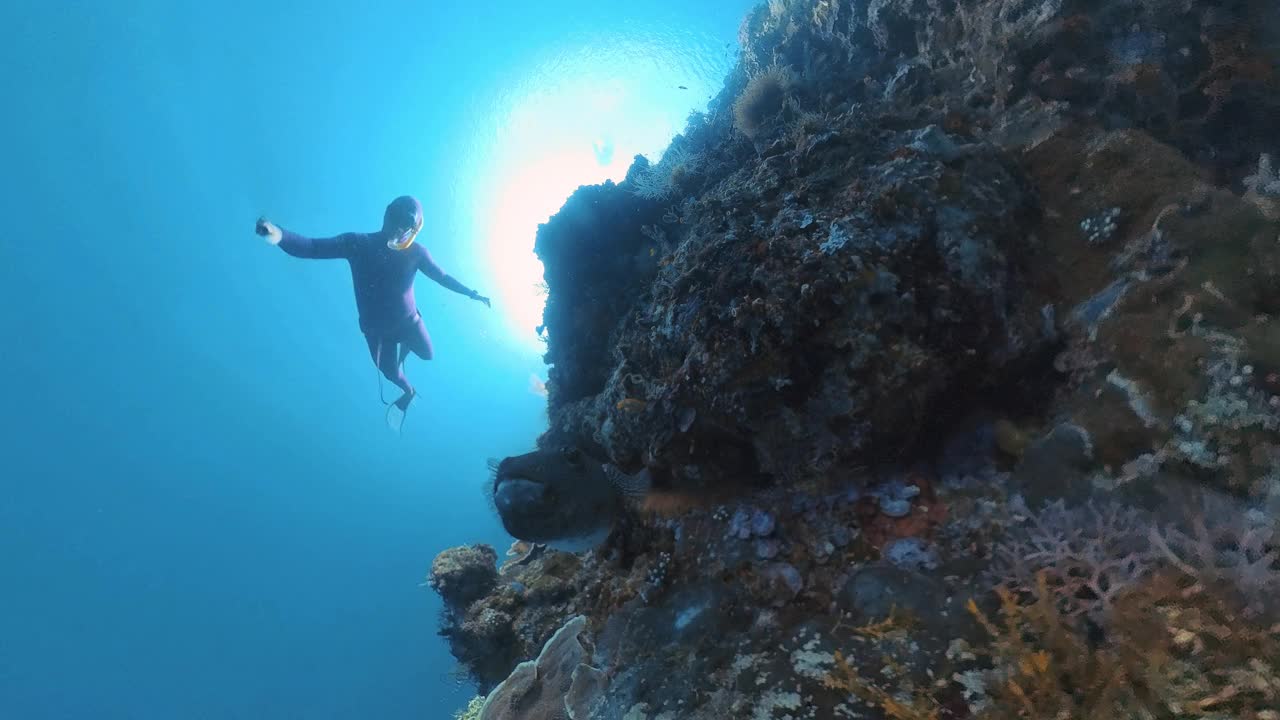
(297, 245)
(429, 268)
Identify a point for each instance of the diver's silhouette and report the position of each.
(383, 267)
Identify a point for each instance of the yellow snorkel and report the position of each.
(405, 240)
(403, 212)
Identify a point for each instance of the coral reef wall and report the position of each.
(949, 325)
(825, 289)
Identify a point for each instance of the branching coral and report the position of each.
(895, 695)
(1175, 616)
(1169, 651)
(1087, 556)
(658, 181)
(1220, 546)
(1045, 669)
(918, 706)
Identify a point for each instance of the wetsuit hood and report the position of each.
(403, 212)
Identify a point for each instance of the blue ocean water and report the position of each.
(202, 513)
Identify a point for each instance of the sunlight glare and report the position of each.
(579, 118)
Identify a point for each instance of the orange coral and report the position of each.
(845, 678)
(1169, 648)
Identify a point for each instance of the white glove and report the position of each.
(269, 231)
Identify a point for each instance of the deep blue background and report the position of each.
(202, 514)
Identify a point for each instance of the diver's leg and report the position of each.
(417, 340)
(386, 357)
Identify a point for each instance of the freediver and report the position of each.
(383, 267)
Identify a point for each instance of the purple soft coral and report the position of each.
(1224, 546)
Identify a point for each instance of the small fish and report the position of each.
(537, 386)
(631, 405)
(682, 87)
(653, 251)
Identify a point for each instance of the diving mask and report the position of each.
(405, 239)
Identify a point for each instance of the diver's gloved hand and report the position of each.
(269, 230)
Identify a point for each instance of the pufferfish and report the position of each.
(562, 498)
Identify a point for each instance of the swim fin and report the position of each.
(395, 418)
(397, 411)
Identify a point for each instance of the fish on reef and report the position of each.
(563, 498)
(537, 386)
(631, 405)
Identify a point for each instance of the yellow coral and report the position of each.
(845, 678)
(472, 710)
(909, 703)
(892, 623)
(1169, 648)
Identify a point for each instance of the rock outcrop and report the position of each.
(947, 334)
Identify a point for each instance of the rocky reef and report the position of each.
(946, 337)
